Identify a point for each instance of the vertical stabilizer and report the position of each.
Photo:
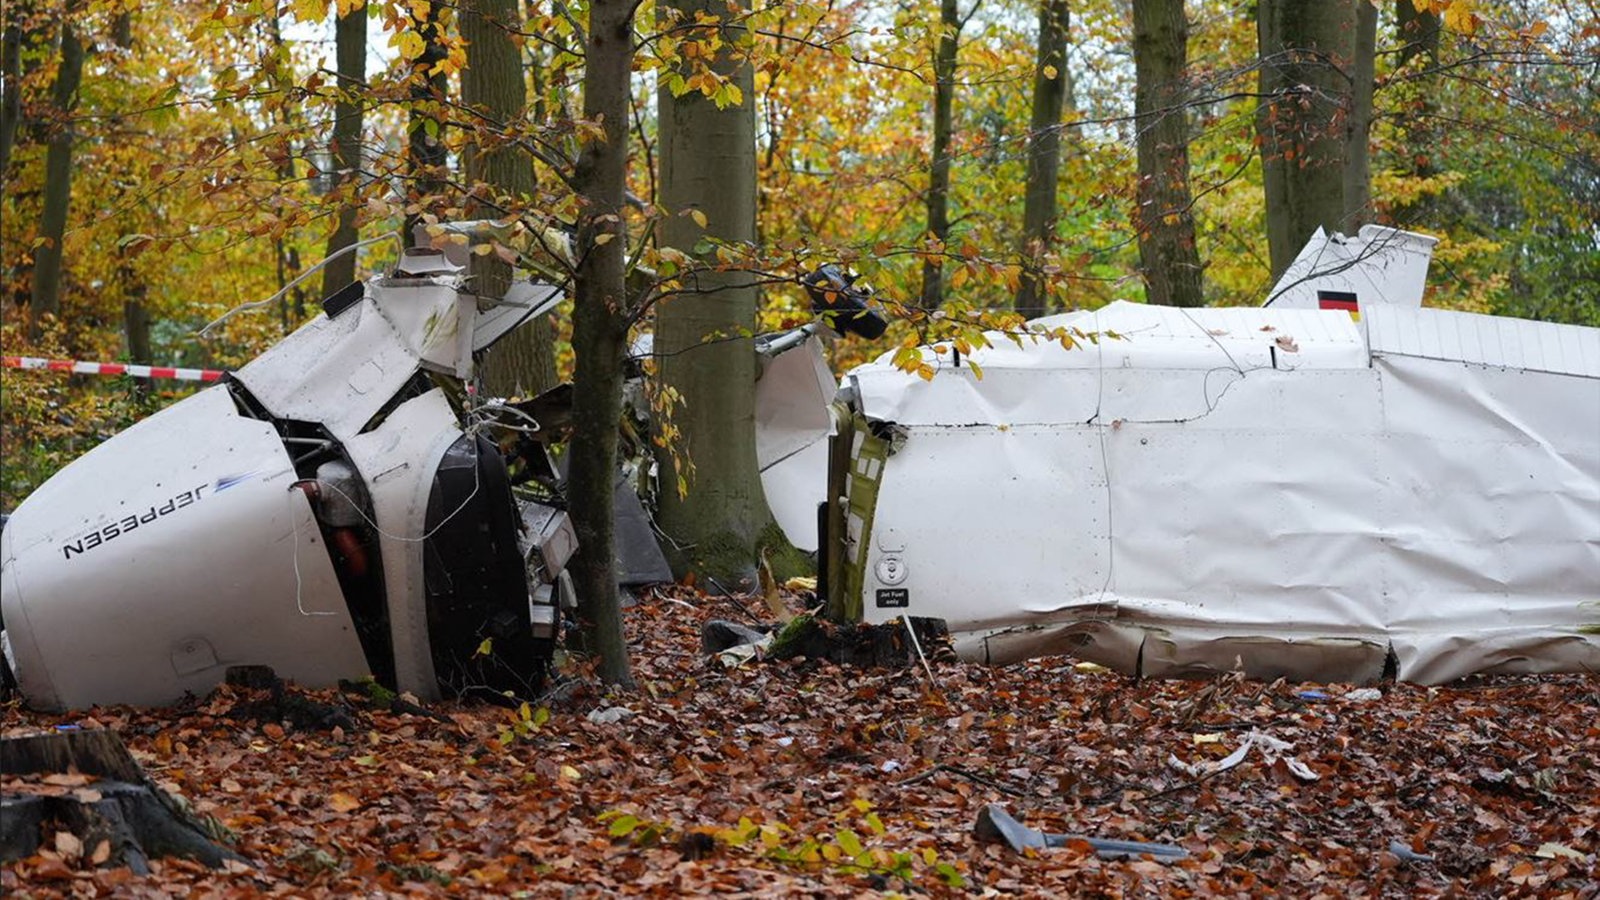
(1378, 265)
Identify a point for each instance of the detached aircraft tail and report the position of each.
(1377, 265)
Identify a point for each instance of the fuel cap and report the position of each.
(891, 570)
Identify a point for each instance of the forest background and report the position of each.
(165, 163)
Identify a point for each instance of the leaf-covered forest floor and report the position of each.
(805, 778)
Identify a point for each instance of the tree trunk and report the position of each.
(350, 49)
(601, 313)
(1420, 33)
(425, 157)
(1358, 131)
(944, 92)
(500, 176)
(46, 298)
(704, 352)
(1164, 218)
(1418, 29)
(11, 101)
(135, 322)
(1044, 156)
(135, 317)
(1307, 50)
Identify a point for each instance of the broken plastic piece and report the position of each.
(1404, 852)
(1272, 748)
(718, 635)
(995, 824)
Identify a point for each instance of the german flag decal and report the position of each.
(1344, 300)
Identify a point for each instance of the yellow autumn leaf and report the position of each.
(410, 44)
(602, 239)
(309, 10)
(698, 217)
(342, 802)
(1458, 17)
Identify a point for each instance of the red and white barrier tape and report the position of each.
(91, 368)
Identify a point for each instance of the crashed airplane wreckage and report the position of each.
(344, 505)
(1411, 492)
(1408, 492)
(335, 508)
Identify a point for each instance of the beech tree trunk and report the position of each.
(1044, 156)
(501, 179)
(11, 100)
(1418, 31)
(601, 314)
(425, 156)
(135, 320)
(46, 299)
(1164, 218)
(350, 49)
(135, 317)
(944, 92)
(1358, 129)
(702, 340)
(1312, 57)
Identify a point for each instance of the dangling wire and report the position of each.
(257, 304)
(299, 586)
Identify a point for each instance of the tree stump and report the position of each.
(86, 783)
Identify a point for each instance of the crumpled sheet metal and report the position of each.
(1429, 515)
(792, 426)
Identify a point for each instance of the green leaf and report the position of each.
(848, 841)
(950, 875)
(623, 825)
(485, 648)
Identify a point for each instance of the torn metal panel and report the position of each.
(639, 557)
(792, 427)
(1263, 487)
(337, 371)
(413, 439)
(524, 301)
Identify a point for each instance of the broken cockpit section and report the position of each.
(339, 506)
